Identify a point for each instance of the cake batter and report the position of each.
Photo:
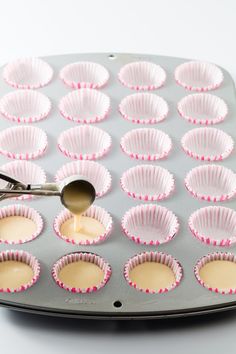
(15, 228)
(219, 274)
(13, 274)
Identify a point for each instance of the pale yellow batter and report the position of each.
(219, 274)
(13, 274)
(81, 275)
(15, 228)
(152, 275)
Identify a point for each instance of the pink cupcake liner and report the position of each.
(216, 256)
(198, 76)
(27, 73)
(24, 257)
(84, 143)
(142, 75)
(212, 183)
(23, 142)
(150, 224)
(85, 106)
(94, 212)
(144, 108)
(203, 108)
(214, 225)
(84, 74)
(24, 211)
(146, 144)
(92, 171)
(207, 144)
(25, 171)
(148, 182)
(157, 257)
(25, 106)
(86, 257)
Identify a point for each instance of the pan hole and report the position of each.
(112, 56)
(117, 304)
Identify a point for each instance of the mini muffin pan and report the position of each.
(144, 179)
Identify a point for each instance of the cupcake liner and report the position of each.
(85, 106)
(148, 182)
(216, 256)
(92, 171)
(198, 76)
(150, 224)
(86, 257)
(26, 172)
(25, 106)
(214, 225)
(142, 75)
(144, 108)
(212, 183)
(203, 108)
(27, 73)
(94, 212)
(207, 144)
(84, 143)
(146, 144)
(157, 257)
(23, 142)
(24, 257)
(84, 74)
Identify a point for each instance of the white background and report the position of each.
(200, 29)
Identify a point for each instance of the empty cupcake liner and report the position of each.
(214, 225)
(86, 257)
(84, 143)
(146, 144)
(157, 257)
(150, 224)
(92, 171)
(198, 76)
(84, 74)
(94, 212)
(148, 182)
(25, 171)
(23, 142)
(212, 183)
(207, 144)
(142, 75)
(144, 108)
(24, 257)
(203, 108)
(85, 106)
(25, 106)
(216, 256)
(24, 211)
(27, 73)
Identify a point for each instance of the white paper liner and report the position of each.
(24, 257)
(144, 108)
(25, 106)
(157, 257)
(84, 74)
(198, 76)
(148, 182)
(142, 75)
(150, 224)
(23, 142)
(146, 144)
(27, 73)
(85, 106)
(203, 108)
(214, 225)
(212, 183)
(207, 144)
(216, 256)
(86, 257)
(85, 142)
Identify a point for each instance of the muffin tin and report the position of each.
(116, 104)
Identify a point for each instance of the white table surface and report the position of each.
(200, 29)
